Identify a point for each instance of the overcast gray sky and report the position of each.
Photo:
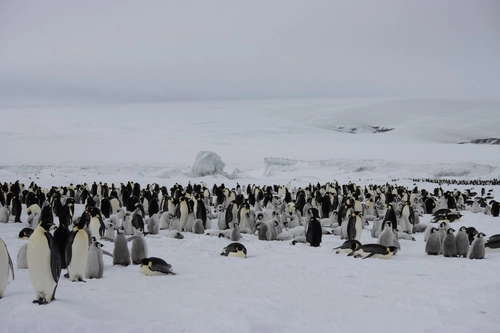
(121, 50)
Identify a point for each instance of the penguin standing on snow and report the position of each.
(354, 227)
(477, 249)
(43, 260)
(139, 249)
(121, 253)
(433, 245)
(450, 244)
(77, 251)
(314, 232)
(462, 242)
(5, 266)
(95, 263)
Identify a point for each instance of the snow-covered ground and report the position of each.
(278, 287)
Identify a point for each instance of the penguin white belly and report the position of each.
(238, 254)
(39, 268)
(94, 227)
(184, 216)
(22, 261)
(146, 271)
(4, 268)
(79, 254)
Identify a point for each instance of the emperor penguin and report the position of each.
(155, 266)
(354, 226)
(43, 261)
(374, 251)
(95, 262)
(121, 253)
(477, 249)
(462, 242)
(235, 232)
(139, 249)
(77, 249)
(314, 232)
(386, 237)
(5, 266)
(433, 245)
(450, 244)
(183, 212)
(235, 250)
(348, 246)
(96, 225)
(408, 215)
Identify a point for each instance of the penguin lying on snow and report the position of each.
(348, 246)
(374, 251)
(235, 250)
(155, 266)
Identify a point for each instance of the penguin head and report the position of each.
(450, 231)
(145, 261)
(25, 233)
(46, 224)
(480, 235)
(392, 249)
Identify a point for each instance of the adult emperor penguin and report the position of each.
(235, 250)
(95, 262)
(477, 249)
(314, 232)
(374, 251)
(450, 244)
(348, 246)
(462, 242)
(77, 251)
(5, 266)
(96, 225)
(183, 212)
(43, 261)
(408, 216)
(354, 226)
(155, 266)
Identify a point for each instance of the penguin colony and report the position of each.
(117, 215)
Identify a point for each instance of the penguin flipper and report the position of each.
(131, 238)
(69, 242)
(370, 255)
(10, 263)
(166, 269)
(107, 253)
(55, 261)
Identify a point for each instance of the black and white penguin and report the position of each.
(408, 216)
(43, 261)
(493, 244)
(314, 232)
(495, 208)
(5, 266)
(77, 248)
(390, 215)
(348, 246)
(235, 250)
(374, 251)
(477, 249)
(155, 266)
(354, 226)
(96, 224)
(95, 262)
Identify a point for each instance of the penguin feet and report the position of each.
(40, 301)
(66, 275)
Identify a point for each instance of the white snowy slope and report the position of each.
(278, 287)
